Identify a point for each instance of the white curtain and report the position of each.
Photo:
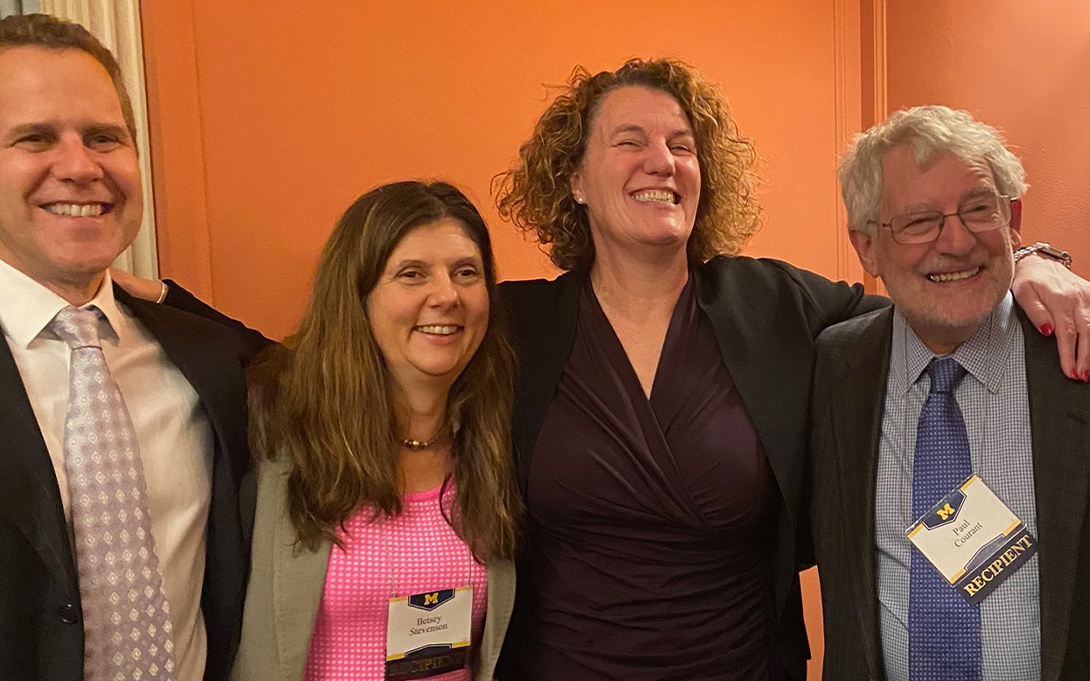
(117, 24)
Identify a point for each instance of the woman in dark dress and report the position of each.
(661, 405)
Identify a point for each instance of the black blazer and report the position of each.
(848, 398)
(766, 315)
(41, 632)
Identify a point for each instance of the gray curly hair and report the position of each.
(931, 131)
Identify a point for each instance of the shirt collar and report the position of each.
(27, 307)
(984, 355)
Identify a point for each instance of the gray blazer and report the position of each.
(286, 584)
(846, 410)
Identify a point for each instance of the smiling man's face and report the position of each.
(70, 195)
(948, 287)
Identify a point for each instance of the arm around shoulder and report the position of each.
(178, 297)
(762, 282)
(831, 302)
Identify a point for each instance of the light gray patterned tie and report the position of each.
(126, 617)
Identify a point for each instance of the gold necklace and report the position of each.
(421, 445)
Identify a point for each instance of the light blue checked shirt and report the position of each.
(994, 403)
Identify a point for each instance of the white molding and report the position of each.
(117, 24)
(881, 102)
(847, 102)
(878, 90)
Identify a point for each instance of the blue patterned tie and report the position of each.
(943, 630)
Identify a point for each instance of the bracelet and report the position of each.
(163, 292)
(1044, 249)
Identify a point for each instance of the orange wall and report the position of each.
(1023, 67)
(269, 118)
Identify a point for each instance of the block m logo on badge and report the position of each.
(946, 511)
(430, 600)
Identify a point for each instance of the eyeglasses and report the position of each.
(981, 214)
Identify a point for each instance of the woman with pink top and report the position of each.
(386, 510)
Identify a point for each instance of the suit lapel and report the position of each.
(31, 498)
(773, 395)
(546, 334)
(1059, 412)
(857, 417)
(203, 352)
(203, 365)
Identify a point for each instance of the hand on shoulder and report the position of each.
(151, 290)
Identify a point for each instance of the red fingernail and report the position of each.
(1046, 329)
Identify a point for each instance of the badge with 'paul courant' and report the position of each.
(973, 539)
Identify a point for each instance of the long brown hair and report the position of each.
(326, 398)
(536, 194)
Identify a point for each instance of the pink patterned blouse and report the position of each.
(349, 640)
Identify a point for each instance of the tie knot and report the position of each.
(945, 374)
(77, 327)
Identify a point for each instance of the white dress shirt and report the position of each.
(173, 431)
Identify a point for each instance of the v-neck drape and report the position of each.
(651, 518)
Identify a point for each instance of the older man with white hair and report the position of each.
(950, 459)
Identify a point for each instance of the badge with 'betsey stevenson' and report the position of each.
(973, 539)
(428, 634)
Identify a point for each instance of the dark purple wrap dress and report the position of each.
(652, 519)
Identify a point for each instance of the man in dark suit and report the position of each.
(122, 542)
(909, 402)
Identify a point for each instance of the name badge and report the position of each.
(973, 539)
(429, 633)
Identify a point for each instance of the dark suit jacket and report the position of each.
(848, 397)
(41, 632)
(766, 315)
